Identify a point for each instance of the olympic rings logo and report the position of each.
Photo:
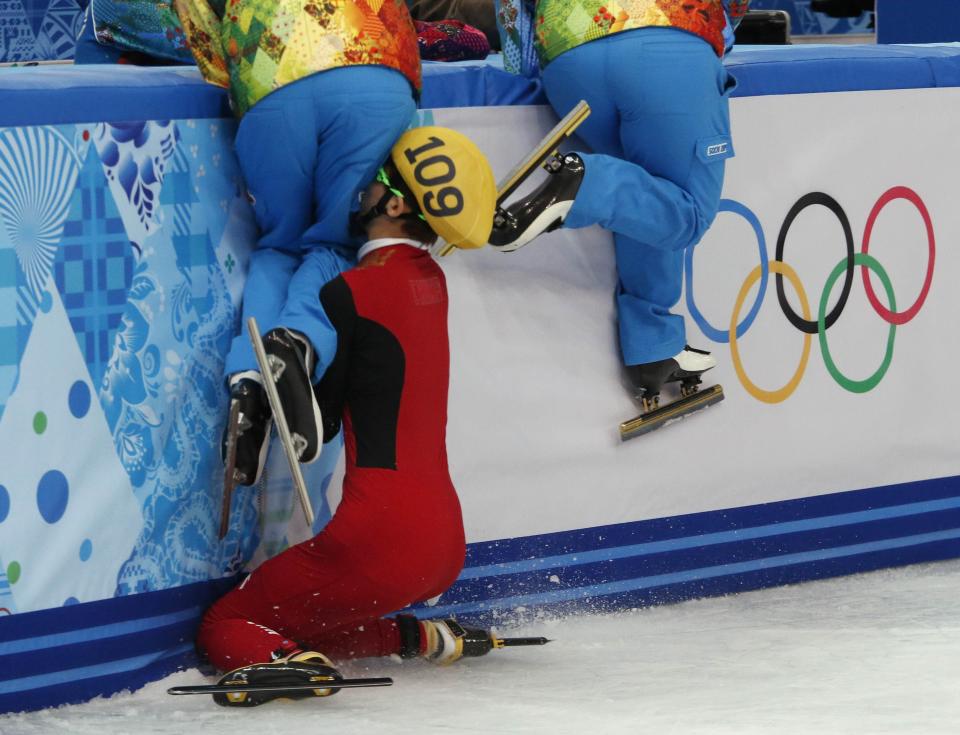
(805, 322)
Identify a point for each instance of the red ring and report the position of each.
(899, 317)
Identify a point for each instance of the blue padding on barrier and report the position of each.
(477, 84)
(114, 610)
(596, 600)
(58, 665)
(51, 95)
(755, 535)
(128, 675)
(717, 552)
(732, 571)
(922, 496)
(74, 653)
(663, 569)
(110, 631)
(106, 93)
(768, 70)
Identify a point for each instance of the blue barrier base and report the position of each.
(713, 553)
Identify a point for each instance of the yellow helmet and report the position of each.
(452, 182)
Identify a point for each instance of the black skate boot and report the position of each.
(647, 380)
(291, 358)
(442, 641)
(446, 641)
(542, 211)
(304, 667)
(685, 368)
(252, 428)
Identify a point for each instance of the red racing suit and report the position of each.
(397, 536)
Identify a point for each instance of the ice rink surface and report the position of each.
(875, 653)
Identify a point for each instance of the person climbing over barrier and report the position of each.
(659, 131)
(320, 101)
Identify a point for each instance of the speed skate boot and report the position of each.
(291, 359)
(252, 428)
(300, 667)
(542, 211)
(441, 641)
(685, 368)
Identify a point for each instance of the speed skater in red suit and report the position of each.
(397, 536)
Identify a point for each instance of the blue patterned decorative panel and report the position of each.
(39, 30)
(94, 267)
(123, 250)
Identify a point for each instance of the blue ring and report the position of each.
(718, 335)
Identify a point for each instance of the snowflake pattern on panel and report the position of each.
(59, 30)
(134, 157)
(38, 171)
(126, 228)
(94, 268)
(170, 421)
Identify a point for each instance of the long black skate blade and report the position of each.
(505, 642)
(229, 468)
(659, 417)
(546, 148)
(519, 173)
(232, 688)
(279, 420)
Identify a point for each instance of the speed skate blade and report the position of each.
(279, 420)
(519, 173)
(546, 148)
(236, 688)
(660, 417)
(510, 642)
(229, 467)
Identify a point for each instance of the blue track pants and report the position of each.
(306, 151)
(660, 132)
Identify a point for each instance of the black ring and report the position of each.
(815, 197)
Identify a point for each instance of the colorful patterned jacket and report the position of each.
(256, 46)
(540, 30)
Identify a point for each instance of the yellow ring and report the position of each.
(769, 396)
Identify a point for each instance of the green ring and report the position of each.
(855, 386)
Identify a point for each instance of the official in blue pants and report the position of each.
(659, 133)
(659, 129)
(306, 150)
